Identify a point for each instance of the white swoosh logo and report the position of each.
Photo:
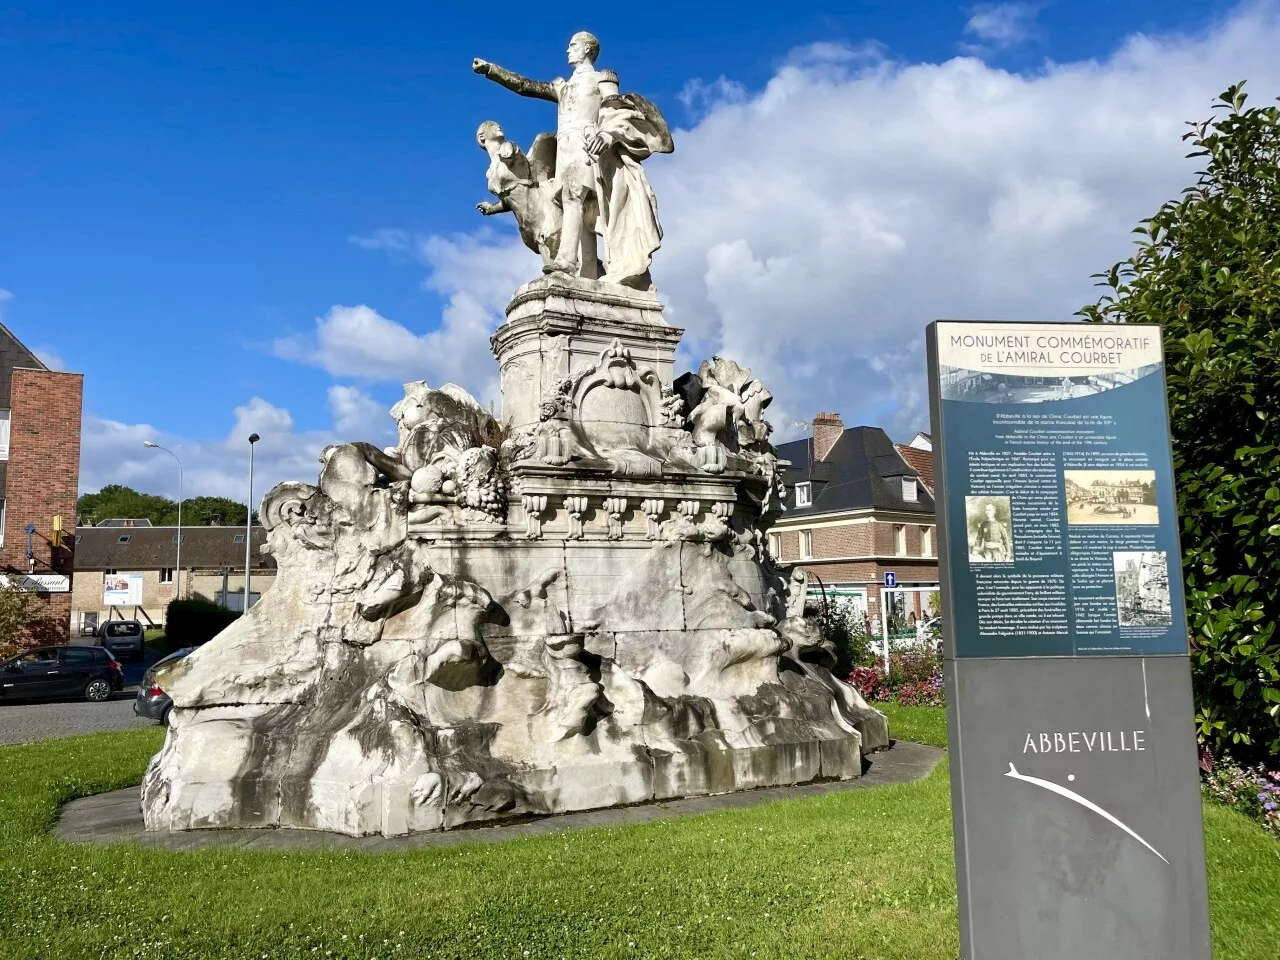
(1087, 804)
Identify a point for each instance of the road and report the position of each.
(25, 722)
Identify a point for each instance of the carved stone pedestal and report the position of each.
(558, 326)
(572, 609)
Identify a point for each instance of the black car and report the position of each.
(70, 671)
(152, 702)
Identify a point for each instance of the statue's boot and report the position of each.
(569, 267)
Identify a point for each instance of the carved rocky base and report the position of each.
(674, 678)
(393, 801)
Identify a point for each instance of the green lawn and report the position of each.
(859, 874)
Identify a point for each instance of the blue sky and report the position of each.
(186, 188)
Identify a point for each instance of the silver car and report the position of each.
(122, 638)
(152, 702)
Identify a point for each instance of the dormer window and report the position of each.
(804, 494)
(910, 490)
(124, 539)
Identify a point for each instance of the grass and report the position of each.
(863, 874)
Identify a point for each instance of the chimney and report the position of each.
(827, 428)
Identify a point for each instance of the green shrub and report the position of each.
(1207, 268)
(192, 622)
(844, 626)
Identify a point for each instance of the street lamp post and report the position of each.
(248, 524)
(177, 560)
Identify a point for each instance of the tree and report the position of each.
(1208, 269)
(17, 607)
(116, 501)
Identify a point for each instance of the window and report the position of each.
(804, 494)
(39, 660)
(77, 655)
(124, 539)
(109, 572)
(926, 541)
(1, 521)
(175, 537)
(910, 493)
(166, 574)
(899, 540)
(806, 545)
(4, 434)
(238, 538)
(775, 546)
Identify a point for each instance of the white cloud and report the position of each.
(1001, 24)
(50, 358)
(356, 414)
(475, 275)
(815, 227)
(698, 95)
(389, 240)
(112, 452)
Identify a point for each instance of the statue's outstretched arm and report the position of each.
(513, 81)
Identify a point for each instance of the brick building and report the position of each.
(212, 568)
(858, 507)
(39, 475)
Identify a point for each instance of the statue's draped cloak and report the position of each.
(628, 207)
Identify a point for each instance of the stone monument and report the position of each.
(570, 607)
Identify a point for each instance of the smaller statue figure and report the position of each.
(524, 186)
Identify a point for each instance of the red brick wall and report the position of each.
(43, 475)
(856, 540)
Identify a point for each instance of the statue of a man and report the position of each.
(601, 138)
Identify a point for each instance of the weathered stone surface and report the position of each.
(569, 609)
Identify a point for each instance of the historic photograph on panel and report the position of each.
(1111, 496)
(1142, 589)
(977, 386)
(990, 529)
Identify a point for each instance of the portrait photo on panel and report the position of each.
(1111, 497)
(990, 522)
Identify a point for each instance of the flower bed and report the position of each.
(1254, 791)
(914, 679)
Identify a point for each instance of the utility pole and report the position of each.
(248, 525)
(177, 570)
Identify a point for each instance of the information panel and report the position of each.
(122, 590)
(1074, 783)
(1060, 513)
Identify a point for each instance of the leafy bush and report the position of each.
(1255, 791)
(192, 622)
(1207, 268)
(17, 608)
(844, 626)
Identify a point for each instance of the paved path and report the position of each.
(25, 722)
(115, 818)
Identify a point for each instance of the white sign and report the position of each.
(1048, 349)
(122, 590)
(43, 582)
